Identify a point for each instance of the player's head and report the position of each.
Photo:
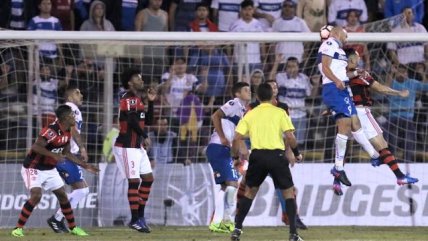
(264, 92)
(132, 79)
(202, 10)
(247, 9)
(274, 87)
(353, 58)
(242, 91)
(292, 66)
(288, 9)
(65, 115)
(339, 34)
(72, 94)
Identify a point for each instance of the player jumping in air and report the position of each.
(361, 85)
(225, 121)
(69, 171)
(38, 171)
(131, 158)
(336, 96)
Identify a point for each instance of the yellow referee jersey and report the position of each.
(265, 126)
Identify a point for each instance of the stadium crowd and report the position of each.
(193, 81)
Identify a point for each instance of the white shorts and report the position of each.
(368, 122)
(50, 180)
(132, 162)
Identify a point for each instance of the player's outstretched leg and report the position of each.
(337, 171)
(386, 157)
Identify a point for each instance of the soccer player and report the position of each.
(69, 171)
(361, 86)
(129, 153)
(225, 120)
(38, 171)
(267, 156)
(336, 96)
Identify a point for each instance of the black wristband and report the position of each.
(296, 151)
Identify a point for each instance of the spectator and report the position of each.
(81, 12)
(177, 84)
(161, 151)
(288, 22)
(395, 7)
(122, 13)
(45, 95)
(151, 19)
(408, 53)
(202, 23)
(181, 12)
(293, 88)
(97, 20)
(213, 65)
(15, 14)
(256, 78)
(8, 83)
(64, 11)
(226, 12)
(353, 25)
(339, 9)
(400, 126)
(44, 21)
(247, 23)
(267, 12)
(314, 12)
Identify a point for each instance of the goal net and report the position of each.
(32, 84)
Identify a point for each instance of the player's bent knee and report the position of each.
(36, 195)
(83, 191)
(289, 192)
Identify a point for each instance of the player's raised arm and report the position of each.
(80, 140)
(388, 91)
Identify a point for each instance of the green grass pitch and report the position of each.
(250, 234)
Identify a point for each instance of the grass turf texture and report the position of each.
(250, 234)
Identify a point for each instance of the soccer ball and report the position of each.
(325, 32)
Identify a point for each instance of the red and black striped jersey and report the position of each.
(57, 139)
(132, 119)
(360, 87)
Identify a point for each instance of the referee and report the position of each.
(267, 126)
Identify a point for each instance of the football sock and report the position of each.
(218, 201)
(144, 192)
(241, 193)
(133, 198)
(244, 207)
(281, 200)
(74, 197)
(291, 212)
(26, 211)
(229, 195)
(68, 214)
(389, 159)
(361, 138)
(340, 144)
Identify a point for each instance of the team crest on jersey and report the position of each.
(329, 43)
(50, 134)
(132, 101)
(231, 102)
(76, 112)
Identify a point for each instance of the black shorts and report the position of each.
(272, 162)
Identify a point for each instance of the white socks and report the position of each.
(361, 138)
(218, 207)
(340, 149)
(74, 197)
(229, 203)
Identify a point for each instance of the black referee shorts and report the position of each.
(265, 162)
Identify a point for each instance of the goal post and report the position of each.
(94, 62)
